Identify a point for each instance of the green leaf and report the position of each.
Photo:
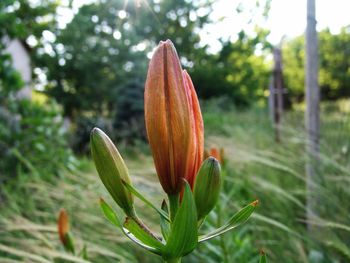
(83, 253)
(69, 243)
(263, 258)
(112, 217)
(109, 214)
(164, 224)
(143, 234)
(136, 193)
(237, 219)
(183, 237)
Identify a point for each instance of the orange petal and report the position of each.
(197, 144)
(167, 117)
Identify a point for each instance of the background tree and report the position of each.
(334, 74)
(236, 71)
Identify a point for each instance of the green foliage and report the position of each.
(334, 74)
(32, 139)
(255, 168)
(274, 173)
(129, 115)
(10, 80)
(236, 72)
(104, 48)
(23, 18)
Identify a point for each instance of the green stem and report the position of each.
(222, 240)
(173, 260)
(141, 224)
(174, 205)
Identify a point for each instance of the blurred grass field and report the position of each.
(256, 168)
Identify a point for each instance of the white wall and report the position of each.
(21, 62)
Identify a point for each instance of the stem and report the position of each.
(174, 205)
(222, 240)
(145, 228)
(173, 260)
(141, 224)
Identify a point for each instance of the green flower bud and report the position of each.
(111, 169)
(207, 187)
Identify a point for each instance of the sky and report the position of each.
(286, 18)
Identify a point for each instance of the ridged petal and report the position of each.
(167, 117)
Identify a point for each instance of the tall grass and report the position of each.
(275, 173)
(28, 231)
(256, 167)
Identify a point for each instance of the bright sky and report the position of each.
(286, 18)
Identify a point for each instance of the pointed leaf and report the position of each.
(164, 224)
(183, 236)
(263, 258)
(83, 253)
(109, 214)
(112, 217)
(69, 244)
(237, 219)
(143, 234)
(136, 193)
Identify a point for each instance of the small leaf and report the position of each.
(69, 243)
(109, 214)
(83, 253)
(183, 236)
(142, 234)
(263, 258)
(164, 225)
(136, 193)
(112, 217)
(237, 219)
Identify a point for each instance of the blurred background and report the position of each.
(67, 66)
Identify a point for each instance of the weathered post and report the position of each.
(312, 115)
(276, 93)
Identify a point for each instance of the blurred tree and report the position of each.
(23, 18)
(20, 19)
(31, 134)
(237, 71)
(335, 63)
(105, 46)
(334, 75)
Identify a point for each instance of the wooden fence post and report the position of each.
(276, 93)
(312, 115)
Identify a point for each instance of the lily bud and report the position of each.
(214, 152)
(168, 117)
(63, 226)
(197, 143)
(63, 231)
(207, 187)
(111, 169)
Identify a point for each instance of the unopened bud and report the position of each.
(207, 187)
(111, 169)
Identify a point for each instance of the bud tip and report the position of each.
(255, 203)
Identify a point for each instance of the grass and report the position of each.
(256, 168)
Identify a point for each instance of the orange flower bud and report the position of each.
(214, 152)
(169, 118)
(63, 226)
(197, 143)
